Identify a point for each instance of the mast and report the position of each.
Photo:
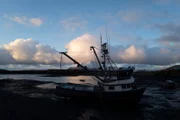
(104, 51)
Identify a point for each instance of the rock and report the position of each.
(169, 84)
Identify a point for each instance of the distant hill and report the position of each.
(171, 71)
(3, 70)
(175, 67)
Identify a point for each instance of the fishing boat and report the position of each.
(117, 85)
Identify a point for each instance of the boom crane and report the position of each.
(100, 66)
(85, 68)
(64, 53)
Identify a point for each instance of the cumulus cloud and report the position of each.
(79, 48)
(6, 58)
(46, 54)
(21, 49)
(144, 55)
(25, 20)
(132, 55)
(29, 51)
(73, 23)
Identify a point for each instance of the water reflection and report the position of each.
(62, 79)
(80, 79)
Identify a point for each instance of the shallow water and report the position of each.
(158, 103)
(62, 79)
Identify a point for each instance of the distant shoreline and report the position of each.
(58, 72)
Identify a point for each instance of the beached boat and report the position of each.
(117, 85)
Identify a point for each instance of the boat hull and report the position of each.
(130, 97)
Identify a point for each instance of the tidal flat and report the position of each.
(27, 99)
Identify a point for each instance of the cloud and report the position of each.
(130, 16)
(36, 21)
(20, 20)
(29, 51)
(170, 43)
(170, 36)
(161, 56)
(21, 49)
(144, 55)
(73, 23)
(6, 58)
(46, 54)
(169, 40)
(25, 20)
(168, 28)
(132, 55)
(79, 48)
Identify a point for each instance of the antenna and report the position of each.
(109, 45)
(106, 34)
(108, 40)
(100, 40)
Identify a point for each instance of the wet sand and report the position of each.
(27, 100)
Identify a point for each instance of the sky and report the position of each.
(141, 32)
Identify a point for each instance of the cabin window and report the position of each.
(128, 85)
(111, 88)
(124, 86)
